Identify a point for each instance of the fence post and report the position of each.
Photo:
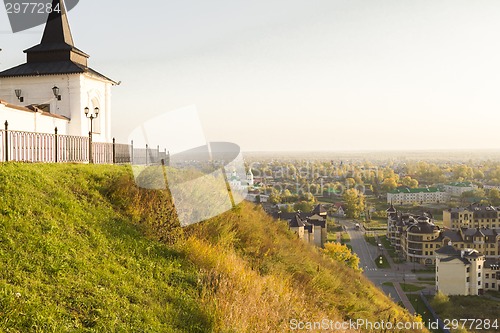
(56, 146)
(157, 154)
(132, 152)
(6, 141)
(114, 151)
(147, 151)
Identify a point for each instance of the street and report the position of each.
(367, 253)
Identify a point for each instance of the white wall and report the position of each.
(77, 92)
(29, 121)
(451, 277)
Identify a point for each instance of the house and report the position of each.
(310, 227)
(459, 272)
(456, 189)
(55, 85)
(339, 210)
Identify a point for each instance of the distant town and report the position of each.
(421, 229)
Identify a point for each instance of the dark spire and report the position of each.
(57, 42)
(57, 28)
(56, 53)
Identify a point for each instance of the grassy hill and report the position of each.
(84, 250)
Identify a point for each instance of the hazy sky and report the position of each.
(298, 75)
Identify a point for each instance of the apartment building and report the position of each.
(473, 216)
(418, 196)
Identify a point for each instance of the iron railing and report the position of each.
(54, 148)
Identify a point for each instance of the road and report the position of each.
(367, 253)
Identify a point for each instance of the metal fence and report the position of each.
(54, 148)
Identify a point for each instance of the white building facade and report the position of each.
(418, 196)
(57, 83)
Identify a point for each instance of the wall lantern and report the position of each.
(55, 90)
(19, 96)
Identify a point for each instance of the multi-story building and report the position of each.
(473, 216)
(419, 196)
(459, 272)
(491, 274)
(456, 189)
(417, 238)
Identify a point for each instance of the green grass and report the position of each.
(84, 250)
(390, 249)
(494, 293)
(421, 308)
(388, 284)
(459, 307)
(345, 238)
(385, 263)
(70, 262)
(410, 287)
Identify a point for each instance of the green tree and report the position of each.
(350, 182)
(463, 171)
(354, 203)
(304, 206)
(409, 182)
(274, 196)
(341, 253)
(389, 184)
(494, 196)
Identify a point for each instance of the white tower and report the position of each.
(56, 79)
(250, 180)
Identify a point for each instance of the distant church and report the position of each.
(55, 85)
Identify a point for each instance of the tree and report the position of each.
(463, 171)
(304, 206)
(350, 182)
(389, 184)
(354, 203)
(409, 182)
(307, 196)
(274, 197)
(341, 253)
(494, 196)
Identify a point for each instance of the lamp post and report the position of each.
(414, 258)
(91, 116)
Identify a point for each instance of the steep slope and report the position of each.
(84, 250)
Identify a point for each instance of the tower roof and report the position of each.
(57, 28)
(56, 53)
(57, 40)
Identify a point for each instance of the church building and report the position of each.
(55, 86)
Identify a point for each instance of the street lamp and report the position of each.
(414, 258)
(91, 116)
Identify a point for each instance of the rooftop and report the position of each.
(415, 190)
